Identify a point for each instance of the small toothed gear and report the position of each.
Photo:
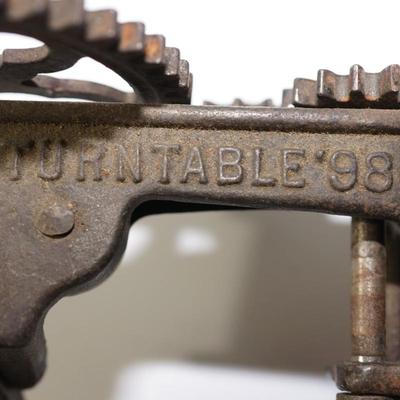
(155, 72)
(359, 89)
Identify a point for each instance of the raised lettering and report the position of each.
(289, 168)
(379, 177)
(15, 173)
(125, 162)
(344, 163)
(229, 169)
(194, 166)
(166, 151)
(57, 168)
(258, 180)
(95, 161)
(16, 156)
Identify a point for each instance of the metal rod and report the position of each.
(392, 239)
(368, 290)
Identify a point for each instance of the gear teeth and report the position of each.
(154, 49)
(101, 26)
(266, 103)
(238, 103)
(390, 79)
(357, 79)
(66, 14)
(357, 89)
(132, 37)
(190, 88)
(172, 60)
(287, 97)
(155, 71)
(341, 87)
(17, 10)
(304, 92)
(184, 74)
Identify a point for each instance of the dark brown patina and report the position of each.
(74, 176)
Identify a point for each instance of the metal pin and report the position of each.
(368, 290)
(392, 237)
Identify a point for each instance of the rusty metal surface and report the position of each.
(156, 72)
(349, 396)
(76, 174)
(375, 369)
(368, 291)
(392, 235)
(375, 256)
(367, 230)
(369, 378)
(359, 89)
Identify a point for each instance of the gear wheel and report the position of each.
(155, 72)
(359, 89)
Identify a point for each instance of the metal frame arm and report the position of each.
(72, 176)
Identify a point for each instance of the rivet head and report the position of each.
(56, 220)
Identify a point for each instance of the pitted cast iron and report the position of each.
(74, 176)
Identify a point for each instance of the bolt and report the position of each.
(368, 290)
(56, 221)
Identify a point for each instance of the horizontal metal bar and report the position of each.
(206, 117)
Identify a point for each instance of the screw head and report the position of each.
(56, 220)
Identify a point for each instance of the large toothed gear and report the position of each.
(359, 89)
(155, 72)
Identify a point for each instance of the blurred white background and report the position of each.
(235, 305)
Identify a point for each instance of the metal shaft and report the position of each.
(392, 237)
(368, 290)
